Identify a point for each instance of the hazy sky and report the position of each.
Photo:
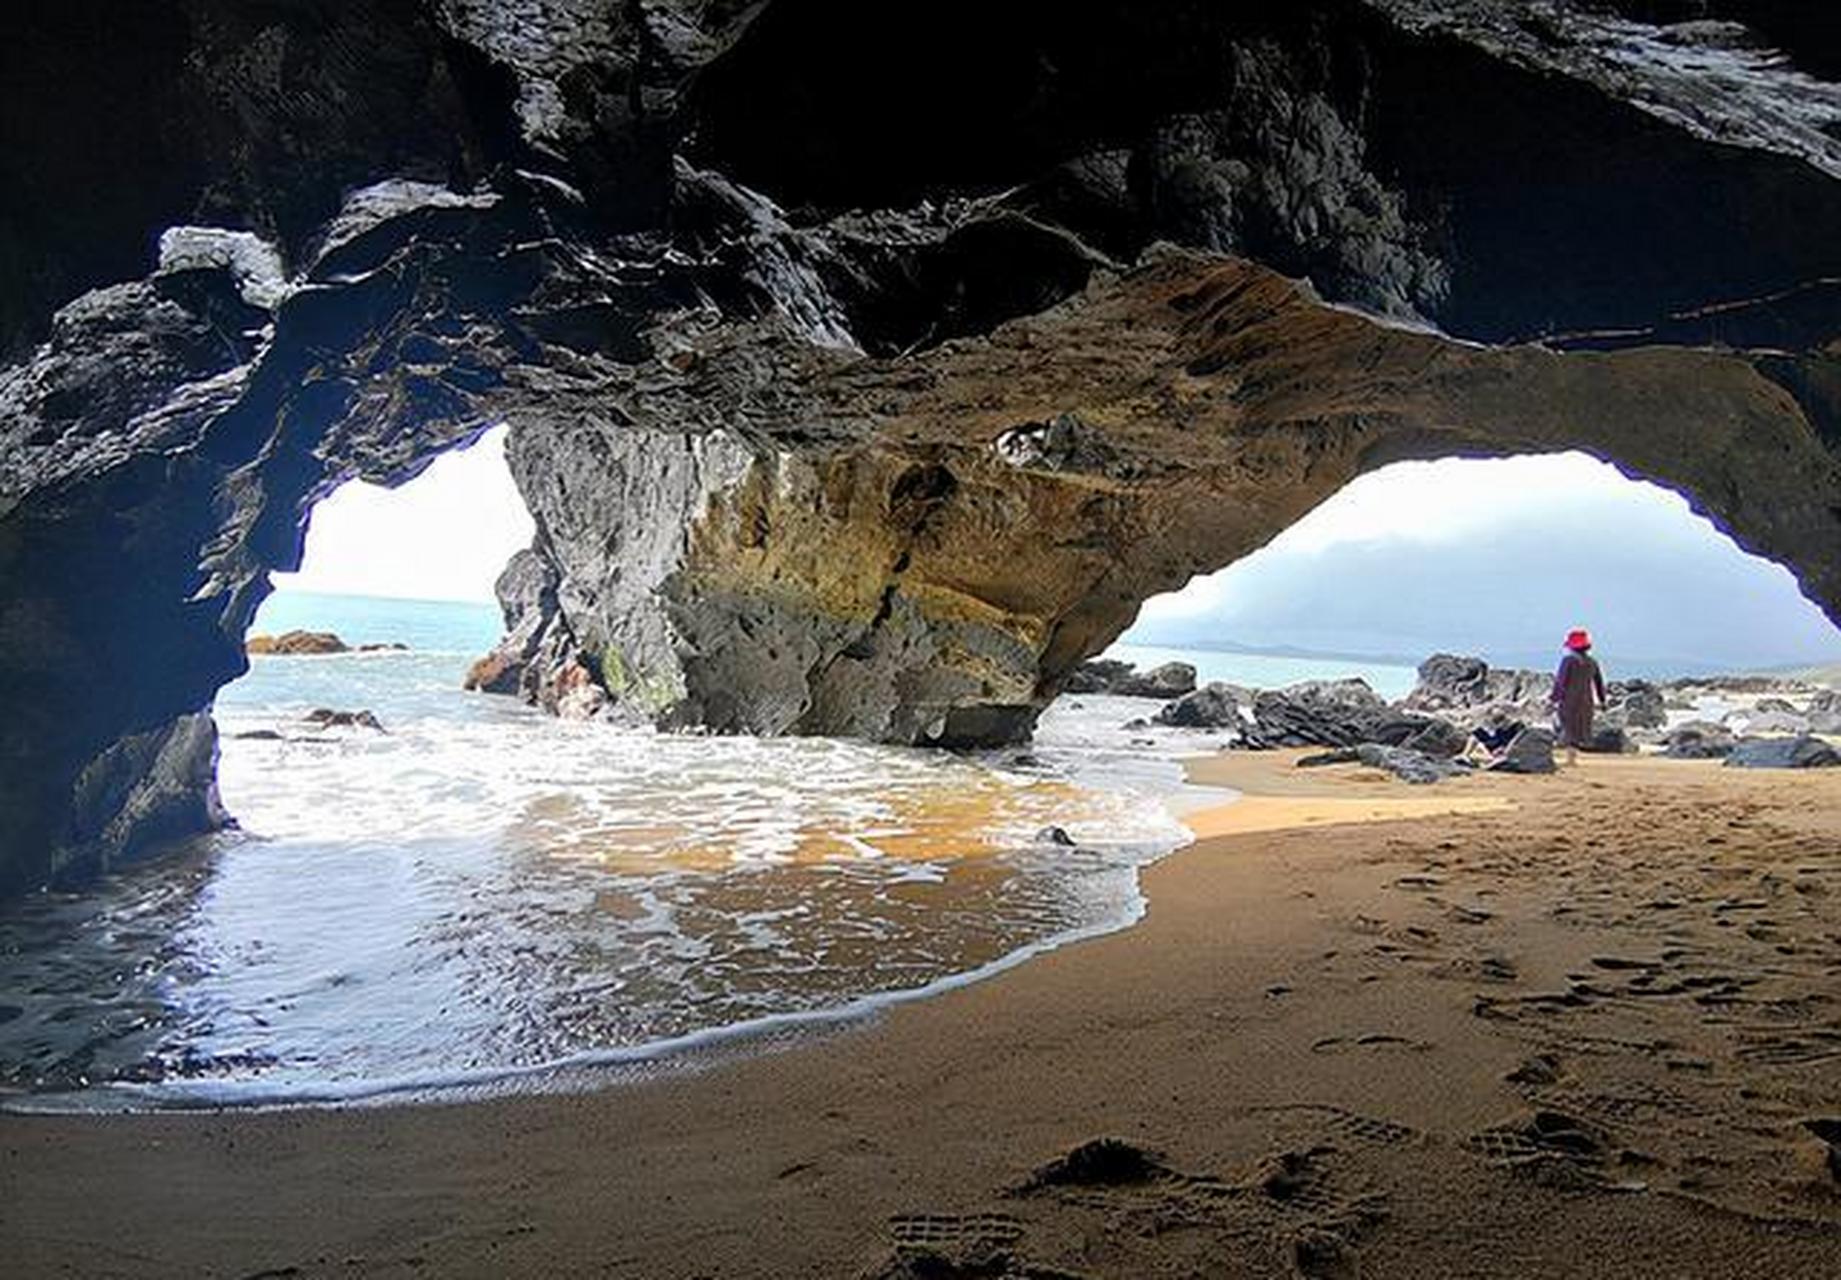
(443, 536)
(1499, 558)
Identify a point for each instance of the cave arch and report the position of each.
(714, 399)
(912, 549)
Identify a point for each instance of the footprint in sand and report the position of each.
(936, 1232)
(1374, 1042)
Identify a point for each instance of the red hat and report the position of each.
(1578, 639)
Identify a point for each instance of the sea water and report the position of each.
(478, 892)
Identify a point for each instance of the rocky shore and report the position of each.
(1759, 721)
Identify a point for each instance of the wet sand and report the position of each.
(1586, 1025)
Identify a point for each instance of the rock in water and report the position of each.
(298, 642)
(1214, 706)
(1530, 751)
(1171, 680)
(1122, 680)
(327, 718)
(1783, 753)
(1098, 675)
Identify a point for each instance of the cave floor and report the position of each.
(1581, 1025)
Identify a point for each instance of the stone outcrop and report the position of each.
(291, 643)
(1216, 705)
(331, 718)
(1469, 689)
(843, 405)
(1123, 680)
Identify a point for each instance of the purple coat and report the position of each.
(1578, 686)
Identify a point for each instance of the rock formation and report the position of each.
(1783, 753)
(1123, 680)
(292, 643)
(844, 404)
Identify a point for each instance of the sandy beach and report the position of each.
(1584, 1025)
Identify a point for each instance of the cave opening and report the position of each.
(441, 538)
(1495, 558)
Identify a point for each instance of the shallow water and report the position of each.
(480, 892)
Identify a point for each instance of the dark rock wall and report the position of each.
(866, 368)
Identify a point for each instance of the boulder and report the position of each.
(1409, 766)
(1317, 713)
(1641, 705)
(327, 718)
(1698, 740)
(1122, 680)
(1214, 706)
(1610, 740)
(1449, 682)
(294, 643)
(1171, 680)
(1824, 711)
(1437, 738)
(497, 672)
(1802, 752)
(1097, 675)
(1531, 751)
(1771, 722)
(392, 646)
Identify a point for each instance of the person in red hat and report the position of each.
(1578, 688)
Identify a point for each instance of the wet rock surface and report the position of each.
(842, 405)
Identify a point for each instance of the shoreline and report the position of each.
(1308, 1047)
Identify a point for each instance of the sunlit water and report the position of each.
(481, 893)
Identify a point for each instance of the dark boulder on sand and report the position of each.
(1403, 762)
(1610, 740)
(1408, 765)
(1698, 740)
(1783, 753)
(1530, 751)
(1436, 737)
